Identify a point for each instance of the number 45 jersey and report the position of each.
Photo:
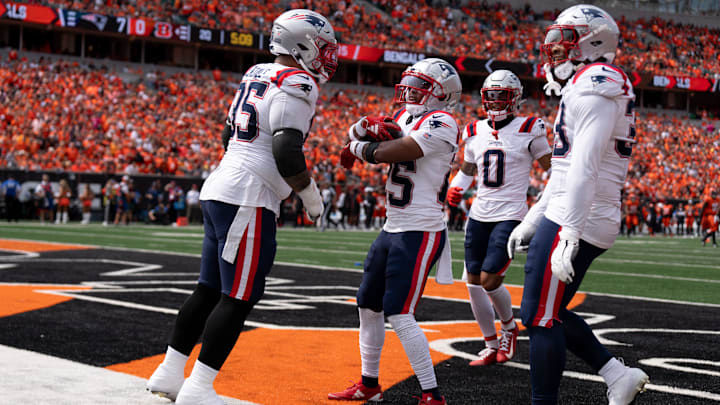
(416, 190)
(504, 159)
(270, 96)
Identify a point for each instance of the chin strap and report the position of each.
(551, 85)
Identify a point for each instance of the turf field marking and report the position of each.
(667, 363)
(601, 332)
(663, 300)
(624, 274)
(445, 346)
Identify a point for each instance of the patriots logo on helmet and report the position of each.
(315, 21)
(591, 13)
(596, 80)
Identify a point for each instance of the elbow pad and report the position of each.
(287, 150)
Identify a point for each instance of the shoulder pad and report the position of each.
(398, 113)
(602, 79)
(532, 125)
(440, 122)
(297, 83)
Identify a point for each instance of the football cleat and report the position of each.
(487, 357)
(165, 383)
(624, 390)
(427, 399)
(508, 342)
(358, 391)
(196, 394)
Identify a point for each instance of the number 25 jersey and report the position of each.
(416, 190)
(270, 96)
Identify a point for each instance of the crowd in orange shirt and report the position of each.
(61, 116)
(477, 29)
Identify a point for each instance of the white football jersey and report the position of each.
(416, 190)
(594, 133)
(504, 160)
(271, 96)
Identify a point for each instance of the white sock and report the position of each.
(175, 360)
(372, 338)
(612, 371)
(502, 302)
(484, 315)
(65, 217)
(203, 374)
(416, 348)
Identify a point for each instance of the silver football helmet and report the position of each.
(309, 38)
(580, 34)
(500, 94)
(431, 84)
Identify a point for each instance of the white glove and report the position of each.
(551, 85)
(520, 237)
(563, 255)
(312, 200)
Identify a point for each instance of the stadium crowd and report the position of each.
(475, 29)
(58, 116)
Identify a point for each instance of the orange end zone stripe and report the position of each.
(17, 299)
(32, 246)
(270, 366)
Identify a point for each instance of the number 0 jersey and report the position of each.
(416, 189)
(271, 96)
(504, 162)
(594, 132)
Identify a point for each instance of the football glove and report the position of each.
(454, 196)
(563, 255)
(312, 200)
(347, 159)
(377, 129)
(520, 237)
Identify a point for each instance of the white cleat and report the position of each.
(166, 383)
(624, 390)
(195, 394)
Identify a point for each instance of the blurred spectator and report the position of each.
(63, 197)
(192, 198)
(86, 197)
(45, 199)
(11, 192)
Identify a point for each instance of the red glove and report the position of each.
(380, 129)
(347, 159)
(454, 196)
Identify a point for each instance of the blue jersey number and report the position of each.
(561, 146)
(245, 125)
(499, 156)
(397, 175)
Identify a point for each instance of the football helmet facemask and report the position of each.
(431, 84)
(500, 94)
(580, 34)
(309, 38)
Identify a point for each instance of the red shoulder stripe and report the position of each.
(398, 113)
(429, 113)
(528, 124)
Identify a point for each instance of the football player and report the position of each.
(578, 216)
(268, 120)
(503, 147)
(412, 239)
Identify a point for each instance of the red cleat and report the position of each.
(427, 399)
(358, 392)
(508, 342)
(487, 357)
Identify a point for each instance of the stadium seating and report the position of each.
(63, 116)
(477, 29)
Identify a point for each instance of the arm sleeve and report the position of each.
(539, 147)
(537, 211)
(469, 154)
(595, 119)
(288, 111)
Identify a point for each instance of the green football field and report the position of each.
(665, 268)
